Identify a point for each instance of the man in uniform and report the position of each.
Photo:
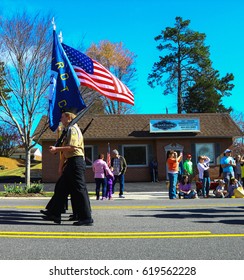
(72, 180)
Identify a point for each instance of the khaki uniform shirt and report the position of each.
(75, 139)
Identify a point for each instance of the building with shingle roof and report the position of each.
(143, 137)
(19, 153)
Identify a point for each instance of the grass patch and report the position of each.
(16, 167)
(41, 194)
(13, 172)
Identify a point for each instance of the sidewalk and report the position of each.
(144, 190)
(140, 190)
(135, 187)
(133, 190)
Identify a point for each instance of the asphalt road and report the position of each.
(143, 226)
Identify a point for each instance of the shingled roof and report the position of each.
(135, 126)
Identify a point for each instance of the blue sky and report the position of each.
(137, 22)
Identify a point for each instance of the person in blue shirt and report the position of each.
(228, 163)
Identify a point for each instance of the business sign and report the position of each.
(175, 125)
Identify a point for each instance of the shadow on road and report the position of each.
(235, 215)
(11, 217)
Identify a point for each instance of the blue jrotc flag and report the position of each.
(64, 85)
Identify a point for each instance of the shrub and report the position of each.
(2, 167)
(35, 188)
(18, 188)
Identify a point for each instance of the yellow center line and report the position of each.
(116, 235)
(103, 233)
(125, 207)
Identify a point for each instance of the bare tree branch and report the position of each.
(26, 49)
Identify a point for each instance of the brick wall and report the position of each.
(133, 174)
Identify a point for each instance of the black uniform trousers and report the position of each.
(72, 182)
(59, 193)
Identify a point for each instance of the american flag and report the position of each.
(108, 156)
(93, 75)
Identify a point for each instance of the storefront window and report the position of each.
(206, 149)
(89, 155)
(135, 155)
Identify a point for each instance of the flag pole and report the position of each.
(53, 23)
(108, 156)
(64, 92)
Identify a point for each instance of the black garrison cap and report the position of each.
(69, 110)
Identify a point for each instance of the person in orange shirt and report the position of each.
(173, 169)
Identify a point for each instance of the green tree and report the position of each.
(186, 66)
(206, 93)
(119, 61)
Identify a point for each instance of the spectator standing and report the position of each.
(110, 180)
(227, 163)
(154, 170)
(181, 171)
(100, 168)
(203, 173)
(239, 162)
(188, 167)
(119, 168)
(173, 170)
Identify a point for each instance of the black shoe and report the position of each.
(45, 212)
(55, 219)
(73, 218)
(87, 222)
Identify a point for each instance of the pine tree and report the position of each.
(206, 93)
(186, 68)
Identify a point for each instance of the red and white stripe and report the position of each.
(105, 82)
